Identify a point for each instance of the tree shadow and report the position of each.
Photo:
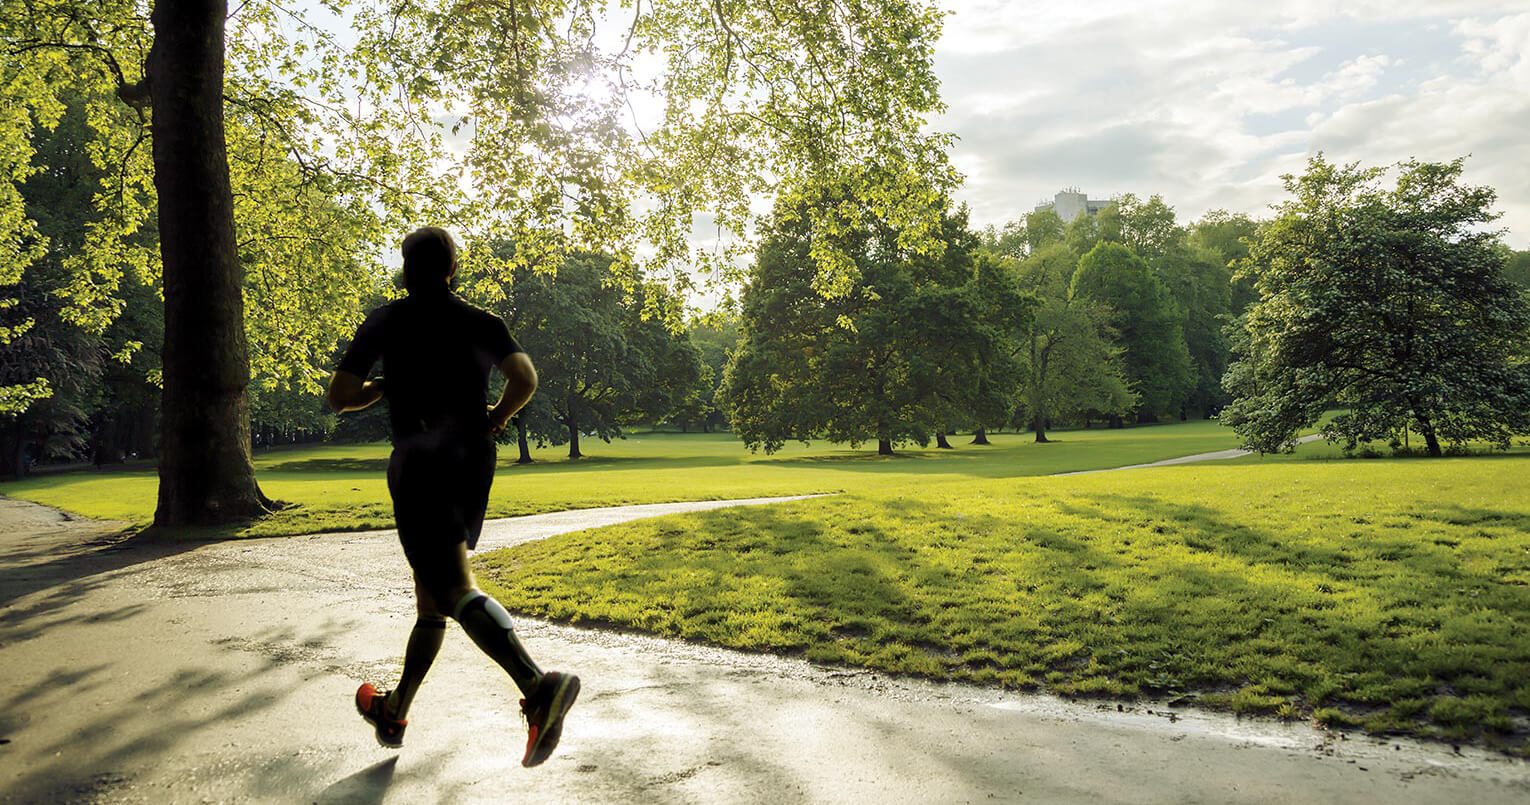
(1100, 594)
(371, 466)
(117, 732)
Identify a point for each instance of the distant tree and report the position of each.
(1198, 278)
(1391, 303)
(602, 362)
(1147, 227)
(1148, 324)
(1042, 228)
(1201, 284)
(1517, 268)
(1227, 236)
(715, 337)
(871, 361)
(1082, 233)
(93, 398)
(1069, 363)
(1010, 240)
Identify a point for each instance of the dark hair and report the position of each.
(430, 254)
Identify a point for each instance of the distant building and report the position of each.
(1071, 203)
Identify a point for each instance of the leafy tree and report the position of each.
(1391, 303)
(887, 358)
(1043, 228)
(1227, 235)
(715, 337)
(754, 95)
(1199, 280)
(91, 400)
(1201, 284)
(1517, 268)
(1146, 227)
(990, 362)
(1148, 322)
(1016, 239)
(1082, 233)
(1070, 363)
(604, 357)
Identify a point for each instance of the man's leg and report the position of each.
(487, 623)
(424, 643)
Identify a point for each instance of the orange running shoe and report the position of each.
(544, 715)
(372, 705)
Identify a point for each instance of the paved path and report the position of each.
(1218, 455)
(224, 672)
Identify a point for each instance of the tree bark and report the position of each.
(573, 438)
(884, 447)
(205, 474)
(980, 436)
(1040, 426)
(1431, 439)
(520, 440)
(940, 441)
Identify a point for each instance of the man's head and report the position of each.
(430, 258)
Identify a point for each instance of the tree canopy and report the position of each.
(1148, 322)
(890, 358)
(603, 363)
(1392, 304)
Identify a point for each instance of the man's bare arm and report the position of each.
(520, 384)
(347, 392)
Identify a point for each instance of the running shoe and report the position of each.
(544, 713)
(372, 705)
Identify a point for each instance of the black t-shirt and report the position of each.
(437, 351)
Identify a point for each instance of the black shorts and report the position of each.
(440, 488)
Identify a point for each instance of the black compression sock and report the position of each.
(487, 622)
(424, 643)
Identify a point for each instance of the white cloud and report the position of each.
(1207, 103)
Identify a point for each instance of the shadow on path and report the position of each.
(365, 787)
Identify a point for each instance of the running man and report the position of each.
(437, 352)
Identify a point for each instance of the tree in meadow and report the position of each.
(889, 356)
(1147, 322)
(1389, 302)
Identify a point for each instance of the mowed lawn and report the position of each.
(342, 487)
(1388, 594)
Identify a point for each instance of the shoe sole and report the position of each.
(547, 738)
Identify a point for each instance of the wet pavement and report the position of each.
(223, 672)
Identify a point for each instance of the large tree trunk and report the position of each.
(1431, 439)
(520, 440)
(1039, 425)
(884, 447)
(940, 441)
(980, 436)
(205, 474)
(573, 437)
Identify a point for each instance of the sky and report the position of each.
(1209, 102)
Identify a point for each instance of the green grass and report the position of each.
(342, 488)
(1322, 450)
(1391, 594)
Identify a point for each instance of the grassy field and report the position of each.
(1389, 594)
(342, 488)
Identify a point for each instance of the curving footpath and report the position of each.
(215, 672)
